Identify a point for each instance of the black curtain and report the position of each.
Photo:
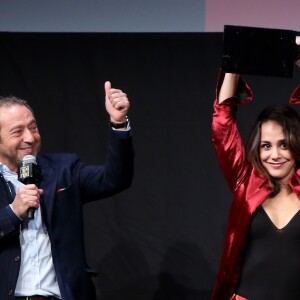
(162, 238)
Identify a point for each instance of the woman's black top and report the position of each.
(271, 268)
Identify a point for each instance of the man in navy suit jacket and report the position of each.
(44, 258)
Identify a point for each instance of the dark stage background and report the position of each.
(162, 238)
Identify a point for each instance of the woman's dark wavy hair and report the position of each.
(289, 119)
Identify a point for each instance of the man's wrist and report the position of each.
(119, 125)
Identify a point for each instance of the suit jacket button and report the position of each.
(17, 258)
(1, 234)
(10, 292)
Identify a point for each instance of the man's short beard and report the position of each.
(18, 161)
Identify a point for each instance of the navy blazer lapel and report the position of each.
(48, 185)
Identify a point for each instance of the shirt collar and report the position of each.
(6, 171)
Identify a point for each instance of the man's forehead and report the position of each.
(16, 113)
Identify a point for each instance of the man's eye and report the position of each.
(16, 132)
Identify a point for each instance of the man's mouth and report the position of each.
(27, 150)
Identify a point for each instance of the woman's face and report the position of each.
(274, 153)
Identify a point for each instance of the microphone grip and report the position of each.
(30, 213)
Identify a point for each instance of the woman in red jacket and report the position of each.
(261, 255)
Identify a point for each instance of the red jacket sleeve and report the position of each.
(226, 137)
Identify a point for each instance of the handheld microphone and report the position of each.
(29, 173)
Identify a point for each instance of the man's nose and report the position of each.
(28, 136)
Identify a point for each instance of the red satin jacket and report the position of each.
(248, 187)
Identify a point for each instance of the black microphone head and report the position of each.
(29, 172)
